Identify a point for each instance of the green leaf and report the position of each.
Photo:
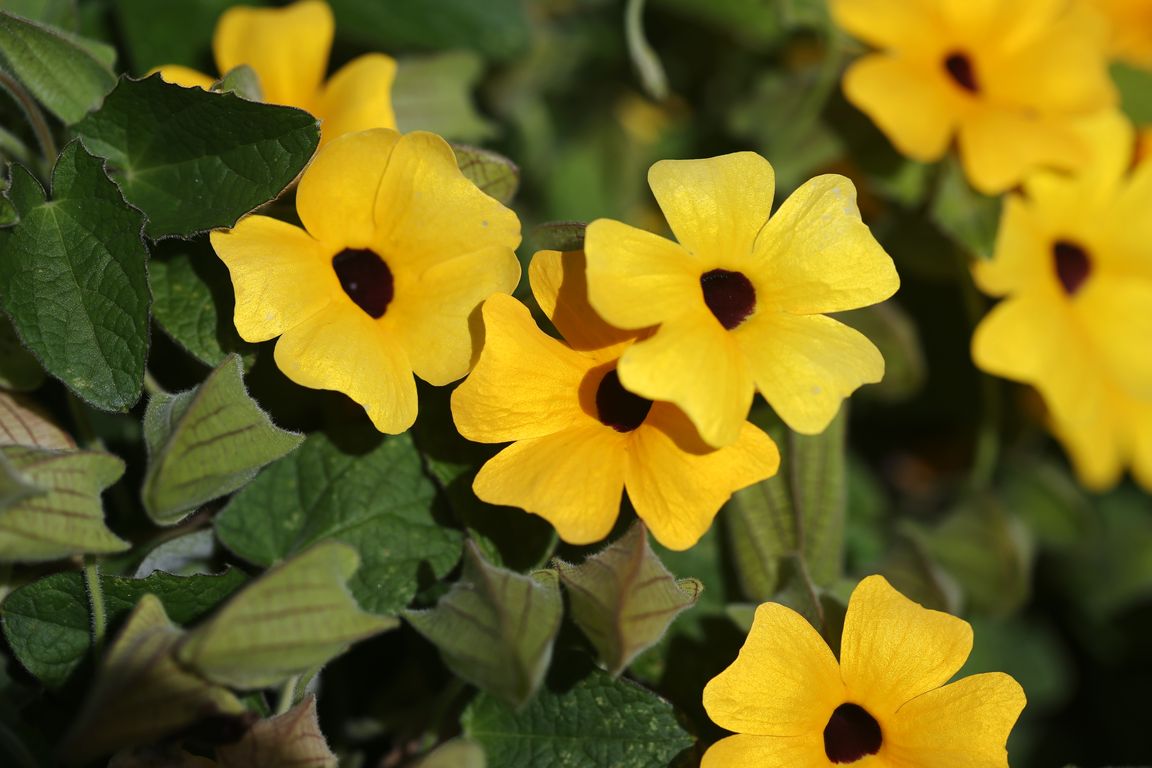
(242, 81)
(141, 694)
(57, 13)
(987, 550)
(434, 93)
(798, 512)
(192, 301)
(968, 217)
(19, 369)
(291, 739)
(14, 486)
(559, 235)
(168, 33)
(205, 443)
(494, 174)
(495, 628)
(74, 281)
(201, 160)
(22, 422)
(67, 77)
(375, 497)
(67, 518)
(894, 333)
(499, 29)
(599, 721)
(48, 627)
(624, 598)
(1135, 86)
(297, 616)
(1050, 501)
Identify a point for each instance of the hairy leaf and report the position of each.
(67, 517)
(295, 617)
(74, 282)
(22, 423)
(205, 443)
(494, 174)
(48, 626)
(624, 598)
(67, 75)
(597, 722)
(495, 628)
(374, 496)
(141, 694)
(201, 160)
(293, 738)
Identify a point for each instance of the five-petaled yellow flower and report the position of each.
(1073, 259)
(1005, 79)
(883, 705)
(397, 253)
(578, 437)
(738, 303)
(288, 50)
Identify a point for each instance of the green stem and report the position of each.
(287, 695)
(35, 116)
(95, 588)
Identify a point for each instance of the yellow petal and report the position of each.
(785, 681)
(358, 97)
(428, 212)
(715, 206)
(560, 286)
(897, 24)
(286, 47)
(998, 146)
(1115, 311)
(961, 725)
(336, 199)
(1094, 424)
(894, 650)
(694, 363)
(637, 279)
(573, 479)
(435, 314)
(816, 255)
(767, 752)
(805, 365)
(677, 482)
(344, 349)
(525, 385)
(184, 76)
(914, 105)
(281, 275)
(1141, 425)
(1022, 256)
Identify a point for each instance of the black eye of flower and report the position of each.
(959, 66)
(851, 734)
(730, 296)
(1073, 266)
(618, 408)
(365, 278)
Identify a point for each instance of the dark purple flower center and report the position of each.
(729, 295)
(365, 278)
(1072, 265)
(618, 408)
(851, 734)
(959, 66)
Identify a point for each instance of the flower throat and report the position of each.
(618, 408)
(730, 296)
(365, 278)
(851, 734)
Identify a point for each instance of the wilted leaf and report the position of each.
(201, 160)
(47, 622)
(434, 93)
(495, 628)
(205, 443)
(291, 739)
(21, 423)
(597, 722)
(141, 693)
(64, 75)
(295, 617)
(92, 334)
(494, 174)
(624, 598)
(377, 499)
(67, 518)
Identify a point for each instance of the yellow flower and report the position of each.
(1073, 259)
(397, 253)
(578, 437)
(739, 301)
(288, 50)
(1005, 79)
(885, 703)
(1130, 25)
